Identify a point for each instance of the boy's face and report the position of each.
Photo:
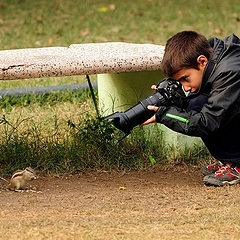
(191, 78)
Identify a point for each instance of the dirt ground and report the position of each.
(154, 204)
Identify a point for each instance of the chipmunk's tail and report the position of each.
(4, 179)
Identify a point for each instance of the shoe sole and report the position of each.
(212, 181)
(233, 182)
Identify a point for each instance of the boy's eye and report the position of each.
(185, 79)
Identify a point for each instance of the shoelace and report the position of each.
(223, 169)
(237, 169)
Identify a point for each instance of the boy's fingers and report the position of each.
(154, 87)
(150, 120)
(154, 108)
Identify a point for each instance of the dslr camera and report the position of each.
(168, 92)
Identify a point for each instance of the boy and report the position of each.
(209, 70)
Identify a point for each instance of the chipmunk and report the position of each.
(20, 178)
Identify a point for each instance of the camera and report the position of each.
(168, 92)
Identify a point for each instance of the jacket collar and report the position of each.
(218, 47)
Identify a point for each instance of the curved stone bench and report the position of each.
(79, 59)
(125, 72)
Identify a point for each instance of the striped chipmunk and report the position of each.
(20, 179)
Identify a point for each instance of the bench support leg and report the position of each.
(120, 91)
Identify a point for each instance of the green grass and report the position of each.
(77, 141)
(60, 132)
(46, 23)
(27, 23)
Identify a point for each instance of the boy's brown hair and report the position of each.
(182, 51)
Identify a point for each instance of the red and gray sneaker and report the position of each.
(212, 168)
(224, 176)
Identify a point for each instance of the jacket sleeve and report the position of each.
(223, 104)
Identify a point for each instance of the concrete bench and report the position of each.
(125, 71)
(79, 59)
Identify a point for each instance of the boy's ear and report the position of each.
(202, 60)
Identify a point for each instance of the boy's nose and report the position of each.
(187, 88)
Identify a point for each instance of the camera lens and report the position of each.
(168, 91)
(137, 114)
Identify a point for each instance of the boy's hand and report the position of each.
(154, 87)
(153, 118)
(154, 108)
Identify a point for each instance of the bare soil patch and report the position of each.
(154, 204)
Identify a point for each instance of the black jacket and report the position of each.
(218, 121)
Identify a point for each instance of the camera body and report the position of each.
(168, 92)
